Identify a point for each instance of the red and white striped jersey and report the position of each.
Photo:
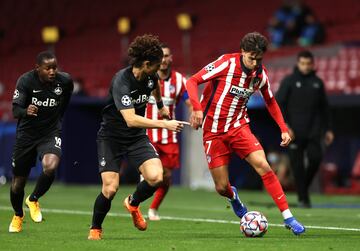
(172, 89)
(225, 97)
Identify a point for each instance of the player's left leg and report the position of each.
(49, 150)
(143, 155)
(50, 163)
(258, 161)
(152, 173)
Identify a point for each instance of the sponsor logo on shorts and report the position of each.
(102, 162)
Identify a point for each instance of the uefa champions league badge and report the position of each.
(210, 67)
(150, 83)
(16, 94)
(126, 100)
(58, 90)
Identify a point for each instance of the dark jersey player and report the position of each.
(122, 133)
(39, 102)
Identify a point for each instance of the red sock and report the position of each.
(159, 196)
(274, 188)
(230, 192)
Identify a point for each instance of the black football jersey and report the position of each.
(51, 99)
(125, 92)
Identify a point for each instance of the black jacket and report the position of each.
(304, 104)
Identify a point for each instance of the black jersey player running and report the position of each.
(39, 102)
(122, 133)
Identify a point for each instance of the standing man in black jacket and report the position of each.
(303, 101)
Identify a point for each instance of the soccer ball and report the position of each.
(253, 224)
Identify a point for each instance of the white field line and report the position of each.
(78, 212)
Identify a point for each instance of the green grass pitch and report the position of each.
(192, 220)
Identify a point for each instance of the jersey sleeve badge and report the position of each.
(210, 67)
(126, 100)
(16, 94)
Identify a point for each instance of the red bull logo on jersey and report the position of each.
(141, 99)
(49, 102)
(241, 92)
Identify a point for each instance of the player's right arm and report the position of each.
(122, 99)
(209, 72)
(134, 120)
(19, 101)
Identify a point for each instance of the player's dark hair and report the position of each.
(254, 42)
(44, 55)
(164, 45)
(305, 54)
(145, 47)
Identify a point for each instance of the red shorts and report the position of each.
(218, 147)
(168, 154)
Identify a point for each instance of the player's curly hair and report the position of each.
(145, 47)
(254, 42)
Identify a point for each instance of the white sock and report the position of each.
(286, 214)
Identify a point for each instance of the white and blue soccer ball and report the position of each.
(253, 224)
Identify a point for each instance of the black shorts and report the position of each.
(25, 155)
(111, 153)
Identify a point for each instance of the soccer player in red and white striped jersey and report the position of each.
(172, 84)
(222, 113)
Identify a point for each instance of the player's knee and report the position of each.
(262, 167)
(155, 180)
(221, 189)
(18, 184)
(110, 191)
(50, 167)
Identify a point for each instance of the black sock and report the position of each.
(101, 208)
(143, 192)
(17, 201)
(42, 186)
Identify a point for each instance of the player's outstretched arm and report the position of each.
(134, 120)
